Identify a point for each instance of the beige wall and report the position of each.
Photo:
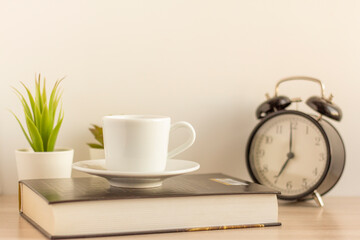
(206, 62)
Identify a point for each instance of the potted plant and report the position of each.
(43, 118)
(97, 149)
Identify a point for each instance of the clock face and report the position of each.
(289, 153)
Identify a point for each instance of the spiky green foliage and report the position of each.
(43, 116)
(97, 131)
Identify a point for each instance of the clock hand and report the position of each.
(290, 154)
(290, 142)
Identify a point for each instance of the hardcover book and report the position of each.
(90, 207)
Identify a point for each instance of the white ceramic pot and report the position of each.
(96, 153)
(35, 165)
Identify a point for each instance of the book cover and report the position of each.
(94, 189)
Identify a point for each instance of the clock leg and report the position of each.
(318, 199)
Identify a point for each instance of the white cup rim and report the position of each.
(137, 117)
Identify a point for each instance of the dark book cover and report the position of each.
(96, 188)
(57, 191)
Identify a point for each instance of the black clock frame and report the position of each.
(335, 155)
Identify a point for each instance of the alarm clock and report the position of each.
(299, 154)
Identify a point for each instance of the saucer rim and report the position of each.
(120, 174)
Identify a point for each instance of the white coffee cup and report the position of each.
(139, 143)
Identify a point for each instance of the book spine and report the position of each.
(167, 230)
(20, 195)
(231, 227)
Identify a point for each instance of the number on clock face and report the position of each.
(288, 152)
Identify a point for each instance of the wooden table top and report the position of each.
(339, 219)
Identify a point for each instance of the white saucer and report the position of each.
(134, 179)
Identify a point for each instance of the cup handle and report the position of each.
(188, 142)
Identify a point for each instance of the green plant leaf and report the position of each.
(22, 128)
(38, 98)
(95, 145)
(31, 99)
(61, 113)
(37, 118)
(43, 95)
(54, 99)
(45, 128)
(53, 135)
(24, 104)
(35, 135)
(55, 105)
(98, 134)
